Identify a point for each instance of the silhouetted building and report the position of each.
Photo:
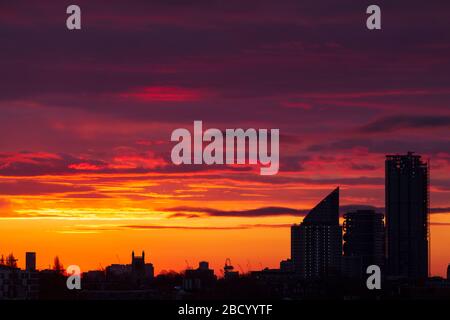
(296, 250)
(363, 242)
(30, 261)
(286, 265)
(407, 208)
(352, 267)
(93, 280)
(448, 272)
(116, 271)
(200, 278)
(138, 264)
(18, 284)
(53, 285)
(316, 244)
(138, 272)
(141, 272)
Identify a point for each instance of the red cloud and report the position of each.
(136, 161)
(85, 166)
(168, 94)
(26, 157)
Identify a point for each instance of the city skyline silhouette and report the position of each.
(86, 119)
(396, 243)
(407, 200)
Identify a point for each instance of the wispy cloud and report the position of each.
(398, 122)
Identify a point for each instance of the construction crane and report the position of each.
(228, 269)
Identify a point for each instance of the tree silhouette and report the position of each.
(11, 261)
(57, 265)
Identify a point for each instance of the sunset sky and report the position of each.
(86, 119)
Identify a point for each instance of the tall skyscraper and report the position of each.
(407, 209)
(363, 241)
(316, 244)
(30, 261)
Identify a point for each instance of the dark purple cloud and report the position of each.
(269, 211)
(136, 71)
(259, 212)
(260, 49)
(392, 123)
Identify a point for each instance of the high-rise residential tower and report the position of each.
(364, 243)
(316, 244)
(407, 209)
